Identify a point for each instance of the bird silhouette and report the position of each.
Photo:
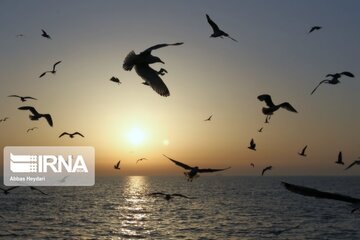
(7, 190)
(4, 119)
(272, 107)
(315, 28)
(36, 116)
(141, 63)
(31, 129)
(23, 99)
(217, 32)
(266, 169)
(38, 190)
(117, 166)
(115, 80)
(355, 162)
(45, 34)
(167, 196)
(311, 192)
(334, 79)
(194, 170)
(260, 130)
(53, 71)
(251, 164)
(71, 135)
(141, 159)
(20, 35)
(339, 160)
(209, 118)
(302, 153)
(267, 118)
(252, 145)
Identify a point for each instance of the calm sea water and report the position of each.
(223, 208)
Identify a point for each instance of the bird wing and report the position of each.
(183, 165)
(312, 29)
(48, 119)
(152, 78)
(303, 151)
(148, 51)
(54, 66)
(232, 38)
(118, 163)
(179, 195)
(265, 169)
(267, 99)
(155, 193)
(36, 189)
(206, 170)
(212, 24)
(311, 192)
(43, 74)
(340, 157)
(288, 107)
(28, 97)
(31, 109)
(14, 96)
(348, 74)
(352, 164)
(77, 133)
(319, 85)
(64, 133)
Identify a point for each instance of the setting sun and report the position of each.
(136, 136)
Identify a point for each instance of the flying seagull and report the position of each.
(167, 196)
(71, 135)
(7, 191)
(141, 159)
(38, 190)
(115, 80)
(36, 116)
(20, 35)
(260, 130)
(334, 79)
(4, 119)
(217, 32)
(209, 118)
(252, 145)
(266, 169)
(23, 99)
(251, 164)
(302, 153)
(53, 71)
(141, 63)
(311, 192)
(194, 170)
(117, 166)
(45, 34)
(271, 107)
(339, 160)
(315, 28)
(356, 162)
(31, 129)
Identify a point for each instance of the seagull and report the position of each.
(217, 32)
(260, 130)
(4, 119)
(53, 71)
(251, 164)
(252, 145)
(115, 80)
(311, 192)
(7, 191)
(167, 196)
(272, 107)
(141, 63)
(302, 153)
(36, 116)
(209, 118)
(356, 162)
(23, 99)
(339, 160)
(334, 79)
(36, 189)
(194, 170)
(31, 129)
(117, 166)
(266, 169)
(71, 135)
(315, 28)
(45, 35)
(20, 35)
(141, 159)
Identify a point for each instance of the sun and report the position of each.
(136, 136)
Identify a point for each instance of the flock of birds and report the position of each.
(141, 63)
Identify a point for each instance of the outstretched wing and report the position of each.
(155, 194)
(352, 164)
(311, 192)
(64, 133)
(304, 149)
(179, 195)
(212, 24)
(265, 169)
(43, 74)
(183, 165)
(348, 74)
(267, 99)
(54, 66)
(206, 170)
(14, 96)
(48, 119)
(28, 97)
(36, 189)
(152, 78)
(318, 86)
(31, 109)
(148, 51)
(288, 107)
(77, 133)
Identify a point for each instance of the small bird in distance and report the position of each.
(334, 79)
(45, 34)
(115, 80)
(271, 107)
(23, 99)
(217, 32)
(4, 119)
(117, 166)
(302, 153)
(167, 196)
(208, 119)
(314, 28)
(339, 160)
(71, 135)
(266, 169)
(31, 129)
(36, 115)
(252, 145)
(53, 71)
(141, 159)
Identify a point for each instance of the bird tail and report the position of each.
(129, 61)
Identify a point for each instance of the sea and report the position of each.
(218, 207)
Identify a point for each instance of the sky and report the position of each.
(274, 55)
